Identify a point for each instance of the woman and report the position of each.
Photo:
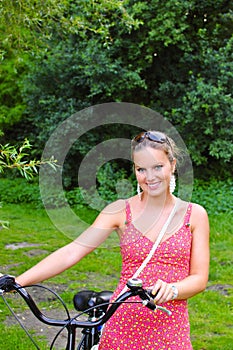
(177, 270)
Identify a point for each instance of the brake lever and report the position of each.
(151, 305)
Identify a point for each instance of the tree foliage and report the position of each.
(31, 31)
(174, 57)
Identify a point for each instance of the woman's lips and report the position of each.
(154, 185)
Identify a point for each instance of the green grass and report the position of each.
(14, 338)
(210, 312)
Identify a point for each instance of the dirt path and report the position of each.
(40, 329)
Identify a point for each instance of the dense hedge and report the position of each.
(215, 196)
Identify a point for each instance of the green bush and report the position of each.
(17, 191)
(112, 183)
(215, 196)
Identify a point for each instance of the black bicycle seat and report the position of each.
(87, 299)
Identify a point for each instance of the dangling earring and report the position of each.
(139, 192)
(172, 183)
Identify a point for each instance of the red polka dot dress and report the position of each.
(134, 326)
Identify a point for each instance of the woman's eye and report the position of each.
(140, 170)
(158, 167)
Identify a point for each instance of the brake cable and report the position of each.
(18, 320)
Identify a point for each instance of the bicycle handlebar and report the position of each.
(8, 284)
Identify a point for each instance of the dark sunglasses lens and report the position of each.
(150, 136)
(156, 138)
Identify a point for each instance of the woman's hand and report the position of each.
(164, 292)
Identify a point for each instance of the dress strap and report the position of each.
(187, 215)
(128, 213)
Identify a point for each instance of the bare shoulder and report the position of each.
(199, 216)
(113, 215)
(199, 211)
(114, 207)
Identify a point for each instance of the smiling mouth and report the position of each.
(154, 185)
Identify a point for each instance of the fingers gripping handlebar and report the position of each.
(146, 295)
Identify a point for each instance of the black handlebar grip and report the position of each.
(150, 302)
(151, 305)
(6, 283)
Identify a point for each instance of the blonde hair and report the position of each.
(156, 140)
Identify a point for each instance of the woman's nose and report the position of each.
(150, 175)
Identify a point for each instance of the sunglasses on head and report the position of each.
(150, 136)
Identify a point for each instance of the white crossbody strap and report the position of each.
(155, 245)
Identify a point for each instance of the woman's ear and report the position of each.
(173, 165)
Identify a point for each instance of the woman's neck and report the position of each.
(161, 202)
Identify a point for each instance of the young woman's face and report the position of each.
(153, 170)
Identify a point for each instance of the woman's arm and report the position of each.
(54, 264)
(62, 259)
(199, 263)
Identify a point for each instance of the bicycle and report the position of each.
(96, 305)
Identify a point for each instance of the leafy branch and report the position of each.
(13, 157)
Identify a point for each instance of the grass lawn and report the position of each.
(210, 312)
